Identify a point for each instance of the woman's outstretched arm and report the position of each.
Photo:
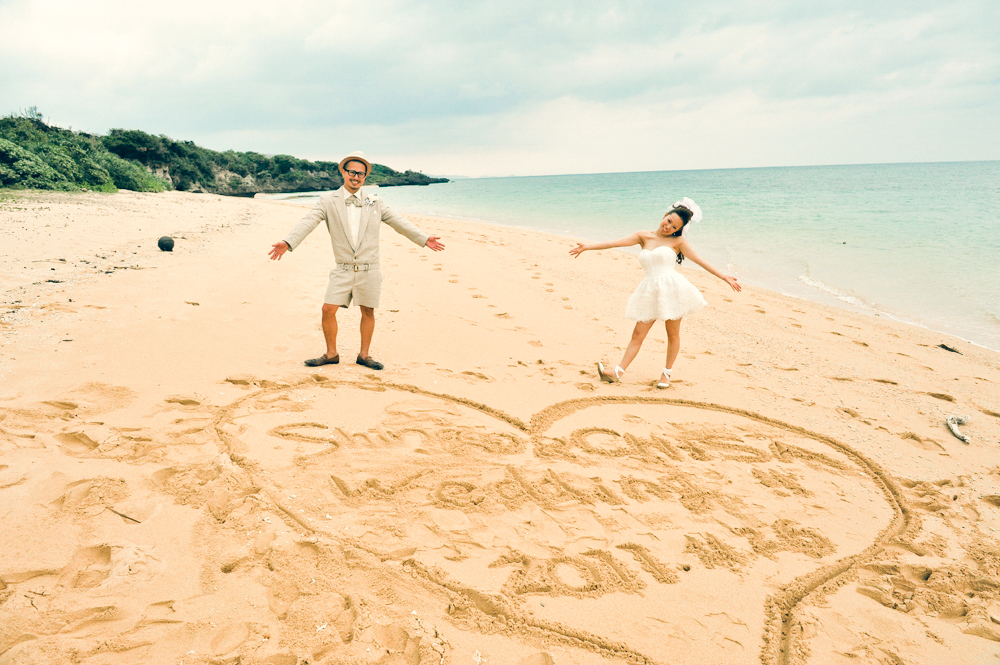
(689, 253)
(634, 239)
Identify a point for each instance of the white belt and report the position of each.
(356, 267)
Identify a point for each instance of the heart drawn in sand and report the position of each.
(708, 524)
(336, 519)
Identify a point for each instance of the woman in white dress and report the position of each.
(664, 294)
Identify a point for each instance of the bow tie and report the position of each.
(353, 201)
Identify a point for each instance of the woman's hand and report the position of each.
(578, 250)
(731, 281)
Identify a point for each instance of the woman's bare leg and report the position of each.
(673, 345)
(638, 335)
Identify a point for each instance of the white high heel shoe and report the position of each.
(608, 378)
(666, 373)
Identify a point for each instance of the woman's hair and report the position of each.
(685, 216)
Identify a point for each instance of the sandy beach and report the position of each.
(176, 487)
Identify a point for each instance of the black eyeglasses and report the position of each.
(356, 174)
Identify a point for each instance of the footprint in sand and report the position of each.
(76, 443)
(88, 568)
(160, 612)
(10, 477)
(399, 646)
(249, 381)
(183, 401)
(68, 406)
(477, 376)
(222, 641)
(91, 496)
(924, 443)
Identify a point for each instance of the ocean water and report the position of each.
(916, 242)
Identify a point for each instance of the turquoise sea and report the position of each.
(917, 242)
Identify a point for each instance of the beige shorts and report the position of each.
(364, 287)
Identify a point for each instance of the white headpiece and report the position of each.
(692, 206)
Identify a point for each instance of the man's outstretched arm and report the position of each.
(405, 227)
(305, 226)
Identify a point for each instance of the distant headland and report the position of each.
(37, 155)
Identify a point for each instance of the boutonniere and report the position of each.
(369, 202)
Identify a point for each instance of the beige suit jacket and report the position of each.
(332, 211)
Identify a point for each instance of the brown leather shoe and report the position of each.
(369, 363)
(323, 360)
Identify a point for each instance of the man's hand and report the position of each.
(433, 243)
(278, 249)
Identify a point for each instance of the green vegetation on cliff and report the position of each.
(38, 156)
(34, 154)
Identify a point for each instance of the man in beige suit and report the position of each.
(353, 217)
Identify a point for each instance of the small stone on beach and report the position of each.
(166, 244)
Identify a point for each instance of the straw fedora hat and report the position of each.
(357, 156)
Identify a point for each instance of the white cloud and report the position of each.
(475, 87)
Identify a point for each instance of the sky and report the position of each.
(483, 88)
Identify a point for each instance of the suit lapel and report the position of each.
(341, 208)
(366, 211)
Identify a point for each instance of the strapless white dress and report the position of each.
(664, 294)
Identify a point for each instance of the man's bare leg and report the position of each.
(367, 330)
(330, 328)
(330, 335)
